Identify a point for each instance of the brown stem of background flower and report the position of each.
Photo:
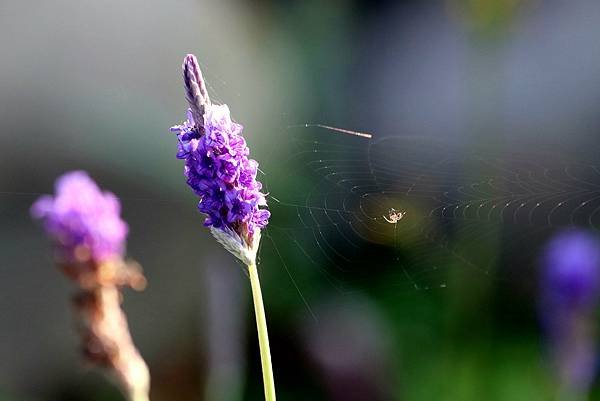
(106, 341)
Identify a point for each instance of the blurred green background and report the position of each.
(96, 86)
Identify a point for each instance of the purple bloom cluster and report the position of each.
(219, 171)
(571, 275)
(570, 294)
(83, 221)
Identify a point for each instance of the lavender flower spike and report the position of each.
(89, 237)
(218, 169)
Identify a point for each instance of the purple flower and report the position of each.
(82, 220)
(217, 167)
(569, 296)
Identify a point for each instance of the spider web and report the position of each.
(468, 207)
(482, 210)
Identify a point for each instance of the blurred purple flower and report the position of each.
(217, 167)
(82, 220)
(570, 294)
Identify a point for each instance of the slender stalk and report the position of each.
(263, 336)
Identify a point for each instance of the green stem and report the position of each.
(263, 336)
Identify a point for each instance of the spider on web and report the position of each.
(394, 216)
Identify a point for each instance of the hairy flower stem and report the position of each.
(107, 342)
(263, 336)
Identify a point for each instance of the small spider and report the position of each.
(394, 216)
